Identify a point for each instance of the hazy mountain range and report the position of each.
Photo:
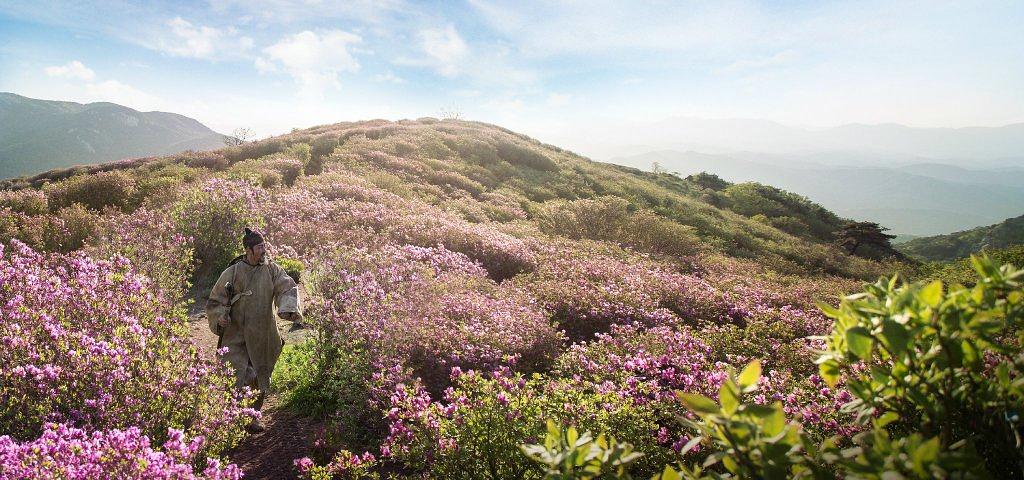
(38, 135)
(916, 199)
(853, 144)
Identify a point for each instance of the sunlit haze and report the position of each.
(562, 72)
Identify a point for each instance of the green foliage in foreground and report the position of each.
(936, 377)
(566, 454)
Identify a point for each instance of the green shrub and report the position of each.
(253, 150)
(209, 160)
(69, 228)
(566, 454)
(936, 377)
(293, 267)
(93, 191)
(614, 219)
(524, 156)
(332, 381)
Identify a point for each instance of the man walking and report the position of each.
(240, 310)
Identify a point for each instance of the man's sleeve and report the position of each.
(218, 304)
(286, 292)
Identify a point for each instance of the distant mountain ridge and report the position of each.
(876, 144)
(38, 135)
(1007, 233)
(922, 199)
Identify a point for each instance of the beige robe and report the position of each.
(252, 338)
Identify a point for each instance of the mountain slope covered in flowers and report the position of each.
(464, 285)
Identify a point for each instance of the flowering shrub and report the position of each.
(479, 423)
(72, 453)
(63, 231)
(214, 214)
(28, 201)
(588, 293)
(429, 309)
(96, 345)
(344, 466)
(924, 366)
(148, 239)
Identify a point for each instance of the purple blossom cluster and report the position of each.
(318, 216)
(644, 365)
(95, 345)
(588, 293)
(429, 309)
(149, 240)
(64, 452)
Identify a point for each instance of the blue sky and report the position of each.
(545, 68)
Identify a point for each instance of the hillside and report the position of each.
(483, 173)
(920, 199)
(463, 284)
(37, 135)
(1008, 233)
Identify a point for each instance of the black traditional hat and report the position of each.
(251, 238)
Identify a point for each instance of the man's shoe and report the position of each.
(256, 426)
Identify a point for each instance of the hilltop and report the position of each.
(37, 135)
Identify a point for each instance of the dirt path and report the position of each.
(289, 435)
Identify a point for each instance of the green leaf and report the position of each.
(698, 403)
(895, 336)
(829, 370)
(931, 294)
(776, 422)
(859, 341)
(730, 464)
(760, 411)
(886, 418)
(728, 396)
(828, 310)
(669, 474)
(750, 375)
(927, 452)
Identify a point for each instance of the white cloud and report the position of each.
(445, 51)
(198, 41)
(313, 59)
(445, 47)
(73, 69)
(265, 66)
(558, 99)
(388, 77)
(442, 49)
(123, 94)
(778, 59)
